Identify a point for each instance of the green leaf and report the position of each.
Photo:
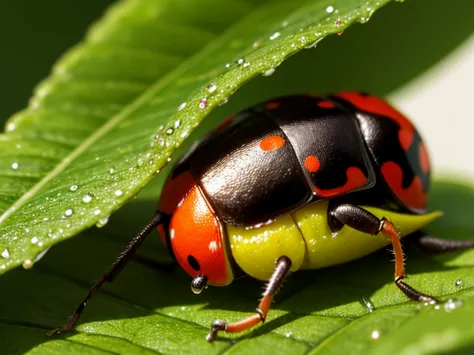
(147, 310)
(117, 106)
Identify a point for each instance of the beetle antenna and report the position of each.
(116, 268)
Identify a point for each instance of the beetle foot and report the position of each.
(215, 327)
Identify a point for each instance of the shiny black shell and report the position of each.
(285, 153)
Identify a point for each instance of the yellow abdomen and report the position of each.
(305, 237)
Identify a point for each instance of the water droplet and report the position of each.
(102, 222)
(330, 9)
(97, 212)
(375, 334)
(458, 282)
(211, 88)
(87, 198)
(284, 24)
(34, 240)
(177, 124)
(240, 61)
(363, 19)
(15, 166)
(10, 127)
(203, 103)
(288, 334)
(112, 171)
(227, 66)
(73, 188)
(118, 193)
(183, 105)
(370, 306)
(169, 131)
(255, 44)
(68, 212)
(269, 72)
(27, 264)
(5, 254)
(223, 101)
(274, 36)
(452, 304)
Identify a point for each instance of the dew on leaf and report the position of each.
(330, 9)
(375, 334)
(452, 304)
(169, 131)
(177, 124)
(223, 101)
(203, 103)
(34, 240)
(274, 36)
(97, 212)
(111, 171)
(69, 212)
(458, 282)
(227, 66)
(27, 264)
(118, 193)
(87, 198)
(102, 222)
(5, 254)
(73, 188)
(183, 105)
(15, 166)
(269, 72)
(211, 88)
(370, 306)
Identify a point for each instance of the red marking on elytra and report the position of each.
(355, 179)
(413, 196)
(326, 104)
(272, 105)
(405, 137)
(312, 163)
(272, 143)
(226, 122)
(378, 106)
(424, 158)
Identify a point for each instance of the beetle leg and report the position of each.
(433, 245)
(364, 221)
(282, 270)
(116, 268)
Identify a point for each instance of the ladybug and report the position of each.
(298, 182)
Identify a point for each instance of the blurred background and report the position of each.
(420, 54)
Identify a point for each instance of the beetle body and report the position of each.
(300, 182)
(260, 184)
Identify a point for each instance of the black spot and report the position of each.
(193, 263)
